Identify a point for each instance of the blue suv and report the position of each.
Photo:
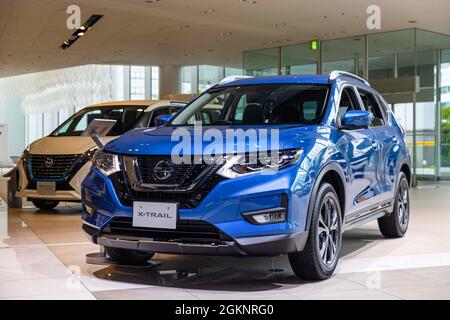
(327, 156)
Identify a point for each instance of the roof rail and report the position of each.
(336, 73)
(233, 78)
(178, 102)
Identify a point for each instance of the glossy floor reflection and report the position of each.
(42, 256)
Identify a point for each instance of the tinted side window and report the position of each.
(348, 102)
(371, 104)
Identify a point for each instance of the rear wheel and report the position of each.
(45, 204)
(319, 258)
(396, 224)
(129, 257)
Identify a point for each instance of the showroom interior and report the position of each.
(167, 50)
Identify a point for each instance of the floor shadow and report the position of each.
(225, 273)
(60, 211)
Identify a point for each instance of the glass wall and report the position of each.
(43, 104)
(263, 62)
(343, 54)
(137, 83)
(209, 76)
(445, 112)
(197, 79)
(299, 59)
(410, 67)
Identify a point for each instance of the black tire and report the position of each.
(309, 264)
(396, 224)
(45, 204)
(129, 257)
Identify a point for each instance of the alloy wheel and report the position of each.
(403, 205)
(328, 232)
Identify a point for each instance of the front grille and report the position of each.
(193, 231)
(55, 167)
(188, 185)
(181, 177)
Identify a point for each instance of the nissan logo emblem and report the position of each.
(48, 162)
(163, 170)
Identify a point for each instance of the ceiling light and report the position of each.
(412, 21)
(323, 17)
(81, 31)
(208, 11)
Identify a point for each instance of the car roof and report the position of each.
(294, 79)
(144, 103)
(297, 79)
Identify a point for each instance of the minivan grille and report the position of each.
(54, 167)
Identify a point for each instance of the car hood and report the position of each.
(164, 140)
(63, 145)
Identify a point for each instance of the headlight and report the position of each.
(244, 164)
(90, 153)
(107, 163)
(25, 154)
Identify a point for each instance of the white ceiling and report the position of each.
(146, 32)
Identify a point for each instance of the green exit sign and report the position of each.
(314, 44)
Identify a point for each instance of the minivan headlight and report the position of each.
(90, 153)
(107, 163)
(244, 164)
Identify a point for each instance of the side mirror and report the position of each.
(162, 119)
(357, 119)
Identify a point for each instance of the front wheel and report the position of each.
(396, 224)
(129, 257)
(319, 258)
(45, 204)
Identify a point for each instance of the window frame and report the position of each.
(355, 100)
(372, 94)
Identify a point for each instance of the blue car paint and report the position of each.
(369, 175)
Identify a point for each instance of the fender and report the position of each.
(408, 164)
(331, 166)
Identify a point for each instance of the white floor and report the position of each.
(42, 256)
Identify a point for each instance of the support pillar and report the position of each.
(169, 80)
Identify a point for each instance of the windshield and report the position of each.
(126, 117)
(259, 105)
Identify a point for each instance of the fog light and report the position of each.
(269, 216)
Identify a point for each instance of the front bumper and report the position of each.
(222, 208)
(60, 195)
(57, 196)
(251, 246)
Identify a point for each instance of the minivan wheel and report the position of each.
(319, 258)
(396, 224)
(45, 204)
(129, 257)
